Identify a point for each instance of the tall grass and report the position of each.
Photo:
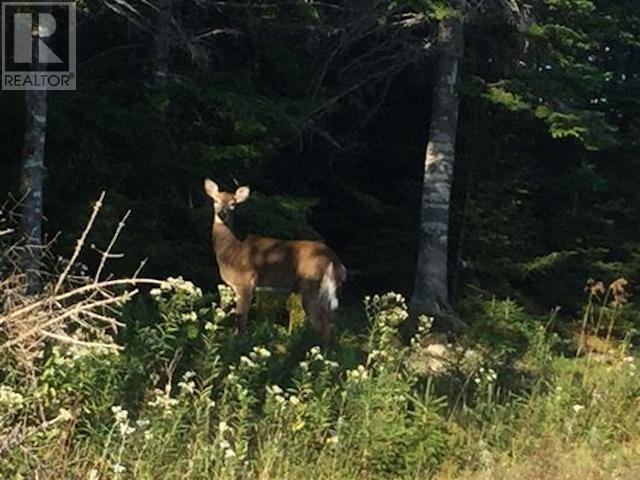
(157, 386)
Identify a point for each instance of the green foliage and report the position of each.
(588, 127)
(503, 327)
(509, 100)
(211, 405)
(277, 216)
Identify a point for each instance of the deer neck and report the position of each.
(222, 237)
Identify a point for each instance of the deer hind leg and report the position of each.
(318, 314)
(244, 295)
(325, 326)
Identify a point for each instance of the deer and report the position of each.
(309, 268)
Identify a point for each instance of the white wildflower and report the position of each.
(274, 389)
(210, 327)
(189, 317)
(9, 397)
(247, 361)
(359, 373)
(262, 352)
(180, 284)
(64, 415)
(224, 427)
(142, 424)
(163, 399)
(187, 387)
(120, 414)
(332, 440)
(577, 408)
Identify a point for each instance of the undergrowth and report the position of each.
(100, 383)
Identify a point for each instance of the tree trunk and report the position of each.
(162, 45)
(32, 179)
(431, 290)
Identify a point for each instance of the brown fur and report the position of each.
(297, 266)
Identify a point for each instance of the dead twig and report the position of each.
(81, 240)
(106, 254)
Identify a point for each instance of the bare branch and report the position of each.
(107, 252)
(83, 237)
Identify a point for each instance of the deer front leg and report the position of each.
(244, 295)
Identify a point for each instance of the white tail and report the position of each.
(307, 267)
(331, 280)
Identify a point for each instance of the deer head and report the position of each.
(224, 203)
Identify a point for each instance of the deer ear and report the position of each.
(242, 193)
(211, 188)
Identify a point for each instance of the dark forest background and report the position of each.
(323, 109)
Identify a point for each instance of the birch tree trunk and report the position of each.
(431, 291)
(162, 45)
(31, 184)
